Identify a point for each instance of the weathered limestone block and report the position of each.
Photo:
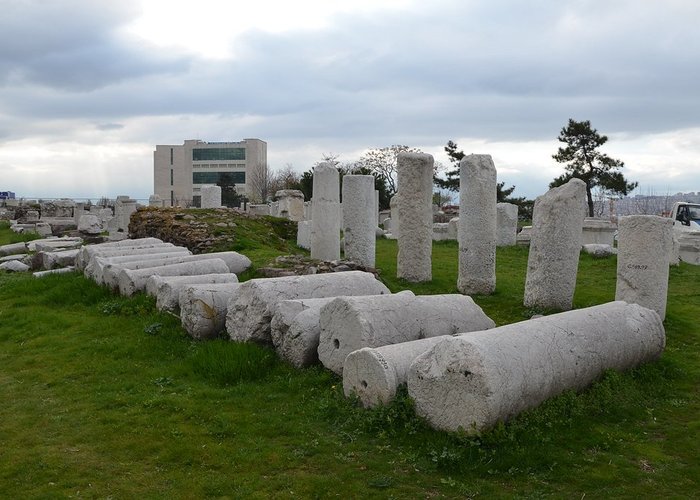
(441, 231)
(350, 323)
(89, 224)
(598, 231)
(167, 289)
(394, 210)
(524, 236)
(477, 225)
(453, 228)
(100, 262)
(250, 312)
(54, 244)
(599, 250)
(415, 217)
(374, 374)
(17, 256)
(304, 234)
(134, 280)
(61, 258)
(13, 248)
(291, 204)
(475, 380)
(325, 222)
(14, 266)
(211, 196)
(236, 263)
(506, 224)
(295, 331)
(644, 244)
(360, 218)
(555, 247)
(203, 308)
(87, 251)
(62, 270)
(155, 201)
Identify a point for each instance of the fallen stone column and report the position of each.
(62, 270)
(131, 281)
(374, 374)
(475, 380)
(555, 247)
(95, 268)
(13, 248)
(203, 308)
(250, 311)
(325, 221)
(506, 224)
(359, 218)
(167, 289)
(235, 262)
(350, 323)
(415, 217)
(477, 225)
(88, 250)
(644, 243)
(62, 258)
(295, 330)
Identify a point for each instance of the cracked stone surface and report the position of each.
(203, 308)
(211, 196)
(351, 323)
(88, 251)
(644, 245)
(359, 218)
(96, 267)
(295, 330)
(166, 289)
(250, 312)
(477, 225)
(555, 247)
(415, 217)
(475, 380)
(131, 281)
(325, 220)
(506, 224)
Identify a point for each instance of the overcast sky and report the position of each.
(89, 87)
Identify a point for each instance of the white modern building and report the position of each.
(179, 171)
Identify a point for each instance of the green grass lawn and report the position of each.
(102, 396)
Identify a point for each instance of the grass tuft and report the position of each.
(228, 363)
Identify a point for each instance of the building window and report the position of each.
(215, 177)
(171, 176)
(171, 156)
(172, 198)
(218, 154)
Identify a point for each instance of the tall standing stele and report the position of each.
(477, 225)
(325, 221)
(359, 218)
(415, 216)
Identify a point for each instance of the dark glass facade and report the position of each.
(214, 177)
(217, 154)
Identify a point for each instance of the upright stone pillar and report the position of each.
(644, 243)
(555, 246)
(477, 225)
(78, 211)
(359, 218)
(325, 221)
(211, 197)
(155, 201)
(506, 224)
(415, 217)
(394, 208)
(376, 204)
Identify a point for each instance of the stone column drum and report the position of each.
(394, 208)
(475, 380)
(477, 225)
(359, 219)
(325, 221)
(644, 243)
(555, 246)
(506, 224)
(415, 180)
(211, 197)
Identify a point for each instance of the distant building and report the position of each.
(179, 171)
(7, 195)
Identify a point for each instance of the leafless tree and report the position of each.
(382, 162)
(259, 183)
(285, 178)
